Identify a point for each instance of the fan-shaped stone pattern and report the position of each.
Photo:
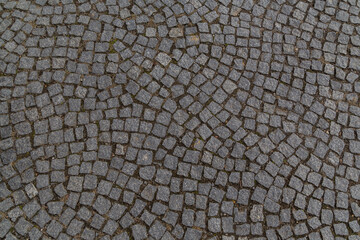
(191, 119)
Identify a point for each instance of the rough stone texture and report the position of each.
(162, 119)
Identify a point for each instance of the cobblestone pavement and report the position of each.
(189, 119)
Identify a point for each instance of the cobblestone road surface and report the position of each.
(189, 119)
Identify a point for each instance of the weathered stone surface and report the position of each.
(231, 119)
